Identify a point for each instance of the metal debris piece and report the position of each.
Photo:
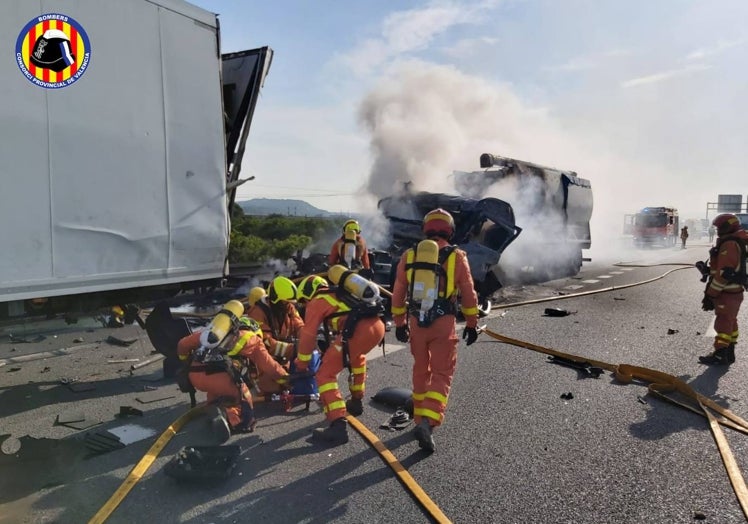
(78, 340)
(672, 331)
(557, 312)
(641, 399)
(11, 370)
(34, 340)
(154, 396)
(70, 416)
(120, 342)
(46, 369)
(122, 360)
(400, 419)
(567, 396)
(584, 367)
(102, 442)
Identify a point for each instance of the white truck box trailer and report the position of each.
(121, 128)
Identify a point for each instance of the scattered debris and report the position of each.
(567, 396)
(150, 388)
(672, 331)
(46, 369)
(102, 442)
(146, 362)
(65, 380)
(22, 340)
(584, 367)
(120, 342)
(83, 423)
(618, 298)
(698, 332)
(698, 515)
(128, 411)
(641, 399)
(557, 312)
(70, 416)
(400, 419)
(122, 361)
(78, 340)
(11, 370)
(154, 396)
(201, 463)
(130, 433)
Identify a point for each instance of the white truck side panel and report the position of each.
(117, 180)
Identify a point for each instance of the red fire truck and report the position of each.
(656, 226)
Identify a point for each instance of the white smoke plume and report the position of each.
(426, 121)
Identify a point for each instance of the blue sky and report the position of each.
(645, 99)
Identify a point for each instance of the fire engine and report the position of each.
(656, 226)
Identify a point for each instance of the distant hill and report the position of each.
(281, 206)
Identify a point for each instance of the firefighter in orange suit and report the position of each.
(323, 308)
(431, 326)
(350, 249)
(219, 377)
(724, 291)
(279, 319)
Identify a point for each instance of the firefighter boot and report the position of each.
(219, 425)
(354, 407)
(336, 433)
(730, 354)
(719, 357)
(423, 434)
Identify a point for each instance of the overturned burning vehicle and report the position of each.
(553, 206)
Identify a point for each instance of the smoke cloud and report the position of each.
(426, 121)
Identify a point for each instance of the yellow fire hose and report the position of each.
(141, 467)
(659, 384)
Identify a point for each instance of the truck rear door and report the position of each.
(244, 74)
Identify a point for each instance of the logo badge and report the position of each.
(53, 51)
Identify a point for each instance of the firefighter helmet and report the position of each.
(726, 223)
(352, 225)
(438, 223)
(281, 288)
(310, 285)
(255, 295)
(52, 51)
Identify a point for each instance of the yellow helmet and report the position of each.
(256, 294)
(309, 286)
(282, 288)
(352, 225)
(438, 223)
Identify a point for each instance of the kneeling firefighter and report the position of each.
(350, 315)
(278, 318)
(432, 277)
(217, 358)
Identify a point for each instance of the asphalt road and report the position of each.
(511, 449)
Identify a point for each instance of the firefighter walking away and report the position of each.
(725, 287)
(431, 277)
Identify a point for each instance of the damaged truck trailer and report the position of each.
(121, 151)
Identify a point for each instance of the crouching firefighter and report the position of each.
(431, 277)
(350, 315)
(725, 286)
(218, 358)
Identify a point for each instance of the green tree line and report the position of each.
(255, 239)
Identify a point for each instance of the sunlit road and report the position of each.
(511, 449)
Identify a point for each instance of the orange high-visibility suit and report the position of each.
(362, 254)
(434, 348)
(281, 325)
(726, 296)
(248, 345)
(368, 333)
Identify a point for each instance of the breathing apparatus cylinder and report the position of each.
(354, 283)
(349, 247)
(221, 324)
(426, 281)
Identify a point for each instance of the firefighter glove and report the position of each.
(402, 333)
(470, 335)
(707, 304)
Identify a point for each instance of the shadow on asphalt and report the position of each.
(662, 420)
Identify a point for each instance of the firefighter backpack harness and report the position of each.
(427, 277)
